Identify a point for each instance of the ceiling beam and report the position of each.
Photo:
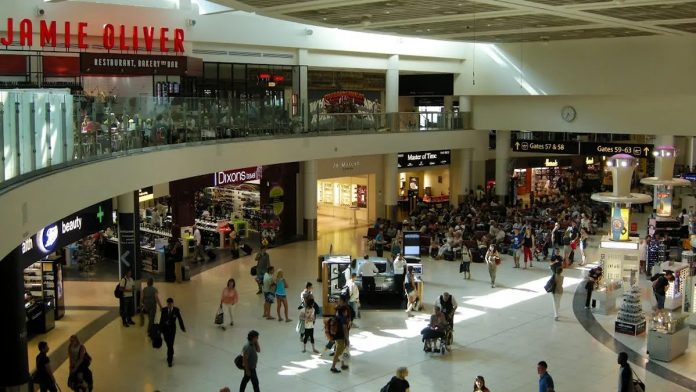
(443, 18)
(540, 30)
(316, 5)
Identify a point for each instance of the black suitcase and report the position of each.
(235, 253)
(185, 272)
(211, 254)
(247, 249)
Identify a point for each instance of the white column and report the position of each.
(391, 179)
(391, 96)
(502, 159)
(309, 175)
(690, 154)
(303, 89)
(465, 170)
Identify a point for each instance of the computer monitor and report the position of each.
(411, 243)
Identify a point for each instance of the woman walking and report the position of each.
(528, 243)
(492, 259)
(465, 266)
(228, 299)
(80, 378)
(583, 245)
(307, 319)
(281, 294)
(557, 268)
(410, 290)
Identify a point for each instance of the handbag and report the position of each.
(253, 271)
(219, 316)
(638, 384)
(550, 286)
(239, 362)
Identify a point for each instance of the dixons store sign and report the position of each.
(119, 37)
(237, 176)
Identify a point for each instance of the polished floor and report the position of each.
(500, 333)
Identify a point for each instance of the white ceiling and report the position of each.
(488, 20)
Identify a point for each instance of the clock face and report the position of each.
(568, 113)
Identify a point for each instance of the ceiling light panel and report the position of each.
(651, 12)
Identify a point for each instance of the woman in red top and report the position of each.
(480, 384)
(228, 299)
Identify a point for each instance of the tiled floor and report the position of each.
(500, 333)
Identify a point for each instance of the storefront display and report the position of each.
(668, 337)
(424, 177)
(345, 197)
(674, 295)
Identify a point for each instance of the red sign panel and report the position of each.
(131, 64)
(13, 64)
(61, 66)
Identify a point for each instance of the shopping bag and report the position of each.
(219, 316)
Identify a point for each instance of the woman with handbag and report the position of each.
(557, 292)
(228, 299)
(80, 378)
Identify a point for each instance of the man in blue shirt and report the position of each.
(545, 380)
(516, 245)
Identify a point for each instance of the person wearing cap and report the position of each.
(169, 317)
(250, 357)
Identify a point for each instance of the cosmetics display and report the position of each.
(630, 319)
(668, 336)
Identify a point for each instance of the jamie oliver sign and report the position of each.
(131, 64)
(423, 158)
(637, 150)
(237, 176)
(119, 37)
(66, 231)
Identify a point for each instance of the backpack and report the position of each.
(330, 327)
(118, 293)
(386, 388)
(655, 277)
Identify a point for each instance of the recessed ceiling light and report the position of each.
(542, 25)
(419, 31)
(324, 19)
(387, 12)
(449, 12)
(427, 30)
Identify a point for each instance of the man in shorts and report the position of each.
(516, 245)
(342, 333)
(268, 287)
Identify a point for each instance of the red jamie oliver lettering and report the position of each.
(48, 36)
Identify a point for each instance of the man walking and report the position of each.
(268, 293)
(250, 359)
(341, 336)
(198, 254)
(149, 302)
(168, 320)
(127, 287)
(516, 245)
(263, 262)
(545, 380)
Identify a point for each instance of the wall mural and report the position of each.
(344, 110)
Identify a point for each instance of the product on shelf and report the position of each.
(631, 319)
(667, 322)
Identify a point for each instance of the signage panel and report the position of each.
(131, 64)
(637, 150)
(547, 147)
(423, 158)
(237, 176)
(65, 231)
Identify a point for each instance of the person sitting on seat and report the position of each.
(435, 330)
(448, 305)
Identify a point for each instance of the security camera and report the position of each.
(39, 12)
(190, 22)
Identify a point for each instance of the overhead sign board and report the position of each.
(237, 176)
(423, 158)
(65, 231)
(131, 64)
(637, 150)
(545, 147)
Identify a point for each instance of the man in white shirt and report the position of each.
(354, 299)
(198, 254)
(126, 304)
(368, 270)
(399, 271)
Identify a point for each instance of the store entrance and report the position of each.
(346, 200)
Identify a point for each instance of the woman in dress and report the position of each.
(307, 318)
(228, 299)
(281, 294)
(492, 260)
(80, 375)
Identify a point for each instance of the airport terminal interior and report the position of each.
(486, 195)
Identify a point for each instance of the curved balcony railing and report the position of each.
(46, 130)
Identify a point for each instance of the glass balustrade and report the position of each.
(44, 130)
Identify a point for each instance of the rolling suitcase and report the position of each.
(247, 249)
(211, 254)
(185, 273)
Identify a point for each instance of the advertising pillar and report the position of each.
(14, 374)
(129, 238)
(391, 178)
(309, 175)
(502, 160)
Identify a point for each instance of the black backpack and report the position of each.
(345, 293)
(656, 276)
(118, 293)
